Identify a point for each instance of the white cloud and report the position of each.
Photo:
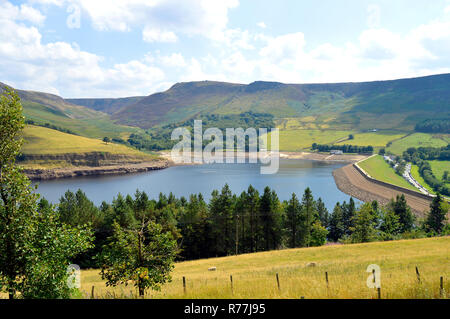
(235, 39)
(22, 13)
(284, 47)
(192, 17)
(262, 25)
(231, 54)
(156, 35)
(26, 62)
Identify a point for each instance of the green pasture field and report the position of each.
(377, 167)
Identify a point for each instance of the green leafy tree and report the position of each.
(318, 234)
(35, 248)
(403, 211)
(106, 140)
(50, 252)
(390, 224)
(76, 209)
(144, 255)
(437, 217)
(363, 229)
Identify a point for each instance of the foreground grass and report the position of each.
(377, 167)
(254, 275)
(41, 140)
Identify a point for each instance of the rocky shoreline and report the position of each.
(47, 174)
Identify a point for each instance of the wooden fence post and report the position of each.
(278, 282)
(231, 280)
(418, 274)
(379, 292)
(326, 277)
(184, 285)
(441, 290)
(92, 292)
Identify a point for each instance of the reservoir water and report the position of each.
(293, 176)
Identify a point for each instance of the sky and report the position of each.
(118, 48)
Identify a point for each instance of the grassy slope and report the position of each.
(439, 167)
(106, 105)
(41, 140)
(375, 139)
(415, 173)
(97, 126)
(377, 167)
(254, 274)
(293, 139)
(419, 140)
(298, 140)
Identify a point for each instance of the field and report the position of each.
(293, 138)
(375, 139)
(254, 275)
(41, 140)
(297, 140)
(418, 140)
(377, 167)
(439, 167)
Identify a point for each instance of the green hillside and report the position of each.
(48, 148)
(418, 140)
(109, 106)
(396, 104)
(42, 108)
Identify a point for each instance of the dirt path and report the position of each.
(350, 181)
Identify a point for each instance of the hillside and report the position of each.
(254, 275)
(395, 104)
(109, 106)
(43, 108)
(48, 148)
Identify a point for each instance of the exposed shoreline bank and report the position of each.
(344, 158)
(57, 173)
(164, 162)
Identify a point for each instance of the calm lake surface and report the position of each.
(293, 176)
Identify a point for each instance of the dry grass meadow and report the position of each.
(254, 275)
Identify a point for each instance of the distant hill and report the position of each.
(54, 104)
(386, 105)
(395, 104)
(43, 108)
(109, 106)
